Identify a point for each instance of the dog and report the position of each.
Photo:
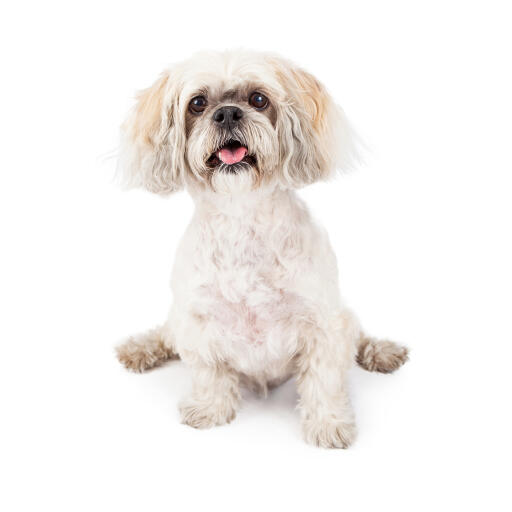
(255, 280)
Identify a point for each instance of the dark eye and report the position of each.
(258, 100)
(197, 104)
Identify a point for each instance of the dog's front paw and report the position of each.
(201, 414)
(329, 432)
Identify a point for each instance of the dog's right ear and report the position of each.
(153, 141)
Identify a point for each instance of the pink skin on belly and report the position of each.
(248, 323)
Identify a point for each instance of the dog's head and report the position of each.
(231, 121)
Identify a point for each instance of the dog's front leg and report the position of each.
(322, 367)
(215, 396)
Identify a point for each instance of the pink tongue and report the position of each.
(232, 156)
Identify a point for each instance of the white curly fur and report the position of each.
(255, 283)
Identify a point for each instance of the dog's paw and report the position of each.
(135, 357)
(143, 352)
(329, 432)
(381, 356)
(200, 414)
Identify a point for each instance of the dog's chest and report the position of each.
(244, 291)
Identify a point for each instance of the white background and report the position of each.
(422, 232)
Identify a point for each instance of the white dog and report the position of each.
(255, 282)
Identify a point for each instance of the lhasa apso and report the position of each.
(255, 281)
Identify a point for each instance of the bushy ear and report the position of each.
(152, 141)
(315, 135)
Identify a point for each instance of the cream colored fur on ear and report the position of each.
(316, 137)
(152, 141)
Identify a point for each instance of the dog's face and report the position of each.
(233, 121)
(231, 131)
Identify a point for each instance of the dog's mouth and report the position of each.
(230, 155)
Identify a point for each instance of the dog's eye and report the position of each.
(258, 100)
(197, 104)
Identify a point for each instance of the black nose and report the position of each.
(227, 117)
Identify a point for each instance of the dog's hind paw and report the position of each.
(144, 351)
(380, 356)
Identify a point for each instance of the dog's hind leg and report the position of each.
(147, 350)
(379, 355)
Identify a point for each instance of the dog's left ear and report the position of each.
(315, 135)
(153, 141)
